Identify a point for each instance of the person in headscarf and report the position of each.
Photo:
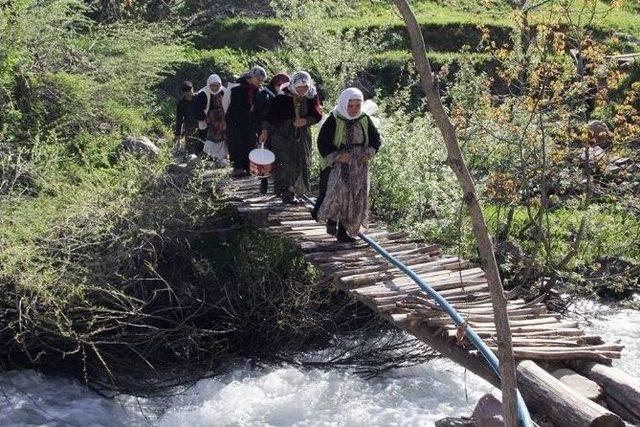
(347, 141)
(263, 102)
(288, 123)
(215, 144)
(186, 117)
(202, 105)
(241, 127)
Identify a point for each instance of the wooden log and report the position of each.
(467, 290)
(351, 282)
(602, 347)
(390, 273)
(429, 249)
(624, 388)
(386, 267)
(488, 323)
(525, 322)
(543, 342)
(583, 385)
(569, 409)
(590, 339)
(300, 222)
(388, 299)
(470, 297)
(491, 333)
(561, 404)
(444, 282)
(443, 285)
(434, 313)
(622, 410)
(434, 277)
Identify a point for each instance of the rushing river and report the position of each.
(284, 396)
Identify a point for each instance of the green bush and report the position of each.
(412, 186)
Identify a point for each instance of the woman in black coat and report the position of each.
(262, 104)
(288, 124)
(240, 120)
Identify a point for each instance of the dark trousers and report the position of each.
(322, 191)
(241, 141)
(194, 143)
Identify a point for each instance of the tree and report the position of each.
(459, 167)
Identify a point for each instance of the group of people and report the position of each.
(227, 123)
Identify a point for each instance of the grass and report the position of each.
(446, 27)
(264, 33)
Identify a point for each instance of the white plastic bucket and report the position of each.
(261, 162)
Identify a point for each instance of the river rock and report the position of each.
(595, 155)
(140, 145)
(177, 168)
(599, 131)
(488, 412)
(456, 422)
(577, 382)
(625, 64)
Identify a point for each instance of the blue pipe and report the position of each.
(523, 413)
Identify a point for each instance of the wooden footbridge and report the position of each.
(543, 341)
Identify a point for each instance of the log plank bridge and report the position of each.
(542, 340)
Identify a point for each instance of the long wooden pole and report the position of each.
(459, 167)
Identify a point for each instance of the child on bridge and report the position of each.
(186, 124)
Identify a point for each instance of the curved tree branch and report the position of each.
(456, 161)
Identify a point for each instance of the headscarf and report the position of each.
(257, 71)
(347, 95)
(277, 81)
(213, 78)
(302, 78)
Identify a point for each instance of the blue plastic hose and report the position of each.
(523, 413)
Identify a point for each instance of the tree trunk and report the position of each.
(622, 387)
(563, 405)
(459, 167)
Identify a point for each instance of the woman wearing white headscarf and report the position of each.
(347, 141)
(205, 100)
(288, 123)
(214, 123)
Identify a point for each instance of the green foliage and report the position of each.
(65, 80)
(240, 33)
(333, 58)
(412, 186)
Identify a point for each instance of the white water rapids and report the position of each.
(284, 396)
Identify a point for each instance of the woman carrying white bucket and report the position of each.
(289, 121)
